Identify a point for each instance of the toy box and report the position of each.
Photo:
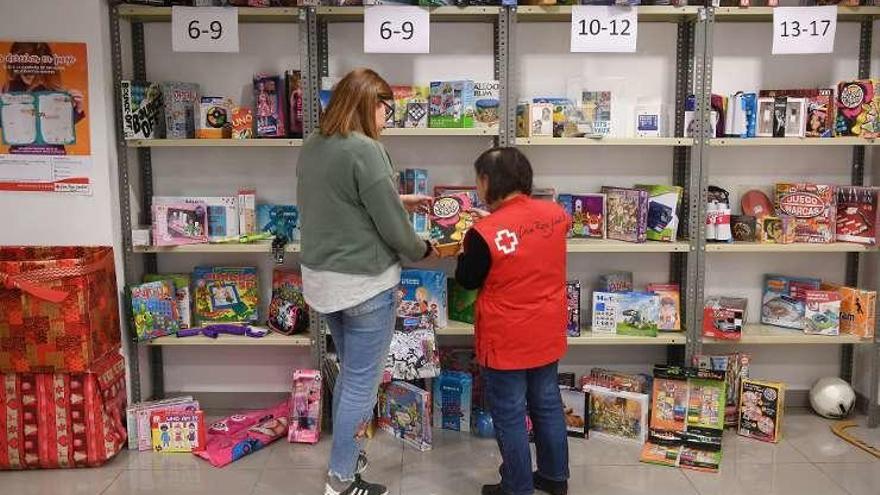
(669, 403)
(182, 293)
(663, 205)
(138, 418)
(819, 108)
(487, 103)
(724, 317)
(743, 228)
(180, 100)
(269, 106)
(605, 312)
(627, 214)
(242, 123)
(736, 367)
(650, 120)
(247, 211)
(416, 181)
(461, 302)
(427, 290)
(857, 103)
(670, 305)
(783, 302)
(222, 213)
(288, 311)
(617, 380)
(405, 412)
(776, 230)
(760, 410)
(596, 107)
(618, 415)
(560, 109)
(856, 310)
(858, 212)
(573, 298)
(416, 110)
(706, 402)
(305, 407)
(215, 117)
(293, 84)
(822, 312)
(226, 295)
(812, 206)
(576, 407)
(615, 282)
(638, 315)
(539, 119)
(451, 218)
(141, 110)
(452, 401)
(587, 215)
(178, 431)
(176, 224)
(451, 104)
(422, 307)
(279, 220)
(154, 310)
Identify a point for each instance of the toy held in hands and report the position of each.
(452, 217)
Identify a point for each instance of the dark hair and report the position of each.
(507, 171)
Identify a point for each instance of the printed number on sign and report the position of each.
(215, 30)
(603, 28)
(595, 27)
(405, 31)
(396, 29)
(804, 29)
(204, 29)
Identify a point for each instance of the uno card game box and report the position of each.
(814, 208)
(857, 214)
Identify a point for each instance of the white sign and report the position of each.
(804, 29)
(396, 29)
(604, 29)
(204, 29)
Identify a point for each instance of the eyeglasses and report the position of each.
(389, 109)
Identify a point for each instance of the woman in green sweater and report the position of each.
(355, 231)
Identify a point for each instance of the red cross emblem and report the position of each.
(506, 241)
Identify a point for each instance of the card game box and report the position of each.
(627, 214)
(761, 405)
(858, 212)
(814, 208)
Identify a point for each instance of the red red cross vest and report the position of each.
(521, 310)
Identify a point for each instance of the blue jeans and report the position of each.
(362, 336)
(508, 393)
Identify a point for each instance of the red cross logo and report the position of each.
(506, 241)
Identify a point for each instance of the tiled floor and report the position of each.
(809, 461)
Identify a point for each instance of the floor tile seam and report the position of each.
(109, 485)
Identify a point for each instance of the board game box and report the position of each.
(180, 100)
(305, 407)
(638, 314)
(182, 293)
(573, 298)
(405, 412)
(822, 312)
(618, 415)
(587, 215)
(857, 103)
(451, 218)
(616, 282)
(857, 310)
(814, 208)
(627, 214)
(670, 305)
(487, 98)
(279, 220)
(663, 205)
(605, 312)
(424, 292)
(724, 317)
(783, 302)
(137, 418)
(226, 295)
(154, 310)
(215, 117)
(176, 224)
(760, 410)
(222, 211)
(141, 110)
(461, 302)
(178, 431)
(451, 104)
(858, 212)
(576, 406)
(776, 230)
(453, 391)
(735, 367)
(706, 402)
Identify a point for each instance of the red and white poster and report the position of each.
(44, 124)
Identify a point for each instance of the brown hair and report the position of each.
(353, 105)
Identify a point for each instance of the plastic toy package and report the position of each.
(405, 412)
(231, 438)
(279, 220)
(269, 106)
(305, 407)
(226, 295)
(154, 310)
(288, 311)
(294, 90)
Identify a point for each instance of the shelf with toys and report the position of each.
(765, 334)
(214, 143)
(646, 13)
(232, 247)
(147, 13)
(793, 141)
(447, 13)
(758, 247)
(608, 141)
(270, 339)
(765, 14)
(440, 132)
(587, 337)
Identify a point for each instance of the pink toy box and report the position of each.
(305, 407)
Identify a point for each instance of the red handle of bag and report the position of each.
(28, 281)
(36, 290)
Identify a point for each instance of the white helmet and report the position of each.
(832, 398)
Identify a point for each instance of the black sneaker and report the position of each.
(549, 486)
(493, 489)
(358, 487)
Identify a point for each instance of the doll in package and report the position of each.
(305, 407)
(269, 105)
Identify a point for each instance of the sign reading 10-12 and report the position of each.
(396, 29)
(604, 28)
(204, 29)
(804, 29)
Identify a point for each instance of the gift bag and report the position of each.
(58, 308)
(236, 436)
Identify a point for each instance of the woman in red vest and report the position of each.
(516, 257)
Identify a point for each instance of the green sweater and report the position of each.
(352, 219)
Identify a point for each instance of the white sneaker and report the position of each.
(357, 487)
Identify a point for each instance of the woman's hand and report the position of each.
(417, 203)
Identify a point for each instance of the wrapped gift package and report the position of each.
(58, 308)
(63, 420)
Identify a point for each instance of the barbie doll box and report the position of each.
(305, 407)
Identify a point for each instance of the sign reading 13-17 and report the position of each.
(396, 29)
(604, 28)
(804, 29)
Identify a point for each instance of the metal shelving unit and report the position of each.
(693, 75)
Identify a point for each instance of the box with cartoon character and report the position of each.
(451, 217)
(405, 412)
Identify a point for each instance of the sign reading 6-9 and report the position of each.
(396, 29)
(204, 29)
